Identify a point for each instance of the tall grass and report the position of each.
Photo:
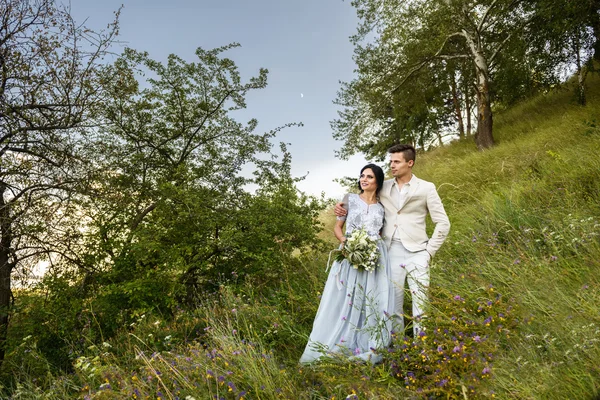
(515, 295)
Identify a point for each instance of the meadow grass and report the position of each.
(514, 301)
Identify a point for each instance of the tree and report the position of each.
(373, 118)
(571, 32)
(49, 87)
(167, 213)
(454, 39)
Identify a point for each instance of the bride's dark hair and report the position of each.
(379, 176)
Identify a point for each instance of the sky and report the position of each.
(303, 43)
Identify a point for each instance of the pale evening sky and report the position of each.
(303, 43)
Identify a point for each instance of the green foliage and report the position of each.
(423, 65)
(165, 216)
(168, 216)
(514, 291)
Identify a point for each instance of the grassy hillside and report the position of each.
(526, 220)
(515, 297)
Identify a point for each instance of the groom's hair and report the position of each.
(407, 150)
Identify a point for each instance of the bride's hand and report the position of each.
(339, 210)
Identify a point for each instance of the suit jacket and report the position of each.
(409, 221)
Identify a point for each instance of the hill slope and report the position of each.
(515, 295)
(526, 221)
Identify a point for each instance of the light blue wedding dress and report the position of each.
(355, 314)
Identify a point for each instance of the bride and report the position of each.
(354, 316)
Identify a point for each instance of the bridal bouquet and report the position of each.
(360, 250)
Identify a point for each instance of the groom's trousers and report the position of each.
(411, 267)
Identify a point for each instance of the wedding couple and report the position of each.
(359, 309)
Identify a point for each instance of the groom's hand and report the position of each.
(339, 210)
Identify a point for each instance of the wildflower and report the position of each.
(231, 386)
(553, 258)
(488, 321)
(477, 338)
(486, 371)
(458, 298)
(344, 318)
(517, 261)
(234, 310)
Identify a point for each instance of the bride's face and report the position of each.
(367, 180)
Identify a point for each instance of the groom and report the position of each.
(407, 201)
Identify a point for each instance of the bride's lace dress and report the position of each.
(354, 316)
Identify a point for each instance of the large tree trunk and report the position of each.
(6, 267)
(483, 137)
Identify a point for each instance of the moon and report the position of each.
(301, 95)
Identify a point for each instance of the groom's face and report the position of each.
(399, 166)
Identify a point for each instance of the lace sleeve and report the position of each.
(345, 205)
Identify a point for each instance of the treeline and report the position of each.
(124, 175)
(431, 69)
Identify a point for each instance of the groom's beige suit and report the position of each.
(404, 233)
(408, 222)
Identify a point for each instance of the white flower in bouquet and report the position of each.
(360, 250)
